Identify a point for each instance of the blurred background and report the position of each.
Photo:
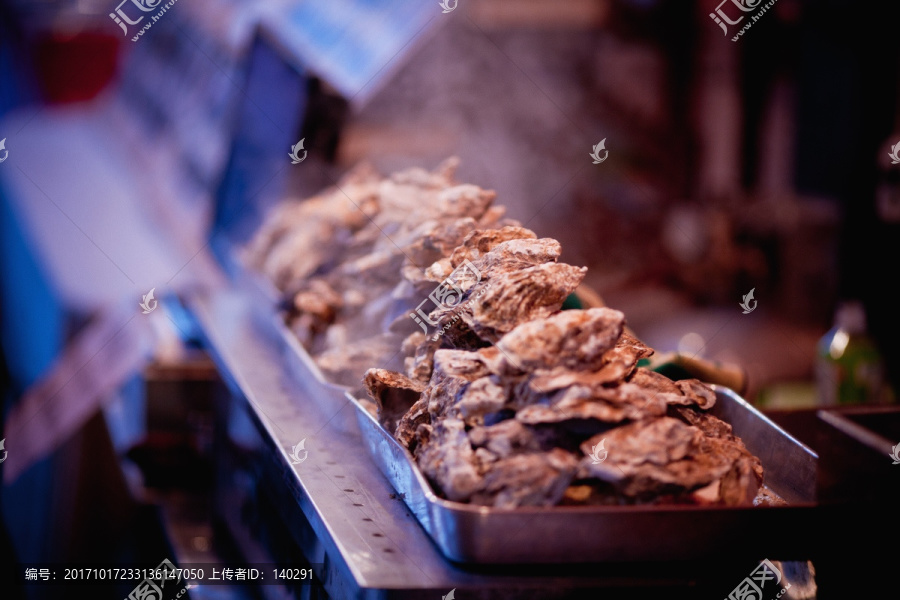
(137, 132)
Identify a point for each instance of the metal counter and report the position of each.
(345, 517)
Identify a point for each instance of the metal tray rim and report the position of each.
(462, 507)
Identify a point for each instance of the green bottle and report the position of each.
(849, 369)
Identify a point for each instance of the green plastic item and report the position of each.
(572, 302)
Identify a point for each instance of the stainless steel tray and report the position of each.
(472, 534)
(476, 534)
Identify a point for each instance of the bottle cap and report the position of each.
(851, 317)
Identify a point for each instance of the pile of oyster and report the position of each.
(354, 260)
(556, 411)
(503, 398)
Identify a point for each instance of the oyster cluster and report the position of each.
(558, 412)
(503, 398)
(354, 260)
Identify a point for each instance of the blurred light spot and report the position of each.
(684, 235)
(691, 344)
(200, 543)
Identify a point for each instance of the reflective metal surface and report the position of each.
(346, 517)
(790, 466)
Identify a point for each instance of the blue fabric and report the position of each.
(31, 332)
(31, 318)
